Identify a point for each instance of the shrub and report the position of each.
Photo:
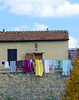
(72, 85)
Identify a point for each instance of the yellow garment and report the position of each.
(39, 68)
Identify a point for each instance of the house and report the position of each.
(21, 45)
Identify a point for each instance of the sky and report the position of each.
(28, 15)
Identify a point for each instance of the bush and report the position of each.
(72, 85)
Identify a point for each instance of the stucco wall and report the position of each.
(52, 50)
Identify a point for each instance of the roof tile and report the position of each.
(33, 35)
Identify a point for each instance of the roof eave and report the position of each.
(33, 40)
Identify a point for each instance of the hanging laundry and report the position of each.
(64, 70)
(6, 65)
(27, 67)
(13, 65)
(32, 66)
(35, 63)
(46, 66)
(61, 65)
(37, 68)
(58, 63)
(52, 63)
(30, 61)
(66, 67)
(43, 62)
(19, 65)
(41, 68)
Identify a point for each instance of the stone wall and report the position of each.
(26, 86)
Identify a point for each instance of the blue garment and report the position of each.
(13, 65)
(43, 62)
(61, 64)
(51, 62)
(56, 64)
(66, 67)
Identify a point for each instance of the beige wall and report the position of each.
(52, 50)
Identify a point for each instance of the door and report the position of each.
(38, 56)
(29, 56)
(12, 54)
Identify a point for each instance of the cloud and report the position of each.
(45, 8)
(20, 28)
(36, 27)
(72, 42)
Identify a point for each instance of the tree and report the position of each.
(72, 85)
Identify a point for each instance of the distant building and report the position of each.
(73, 53)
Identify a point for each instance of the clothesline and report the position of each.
(39, 65)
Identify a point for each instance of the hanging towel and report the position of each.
(19, 65)
(37, 68)
(69, 67)
(27, 67)
(58, 63)
(43, 62)
(13, 65)
(52, 62)
(35, 63)
(46, 66)
(41, 68)
(66, 67)
(64, 70)
(30, 61)
(61, 65)
(6, 64)
(32, 67)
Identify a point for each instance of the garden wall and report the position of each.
(26, 86)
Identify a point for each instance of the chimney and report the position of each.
(47, 30)
(3, 30)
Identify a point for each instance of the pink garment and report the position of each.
(27, 67)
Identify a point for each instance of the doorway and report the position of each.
(38, 56)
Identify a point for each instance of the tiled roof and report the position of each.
(33, 35)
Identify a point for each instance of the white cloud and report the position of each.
(72, 42)
(20, 28)
(43, 8)
(36, 27)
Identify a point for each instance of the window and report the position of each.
(12, 54)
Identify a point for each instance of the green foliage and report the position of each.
(72, 87)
